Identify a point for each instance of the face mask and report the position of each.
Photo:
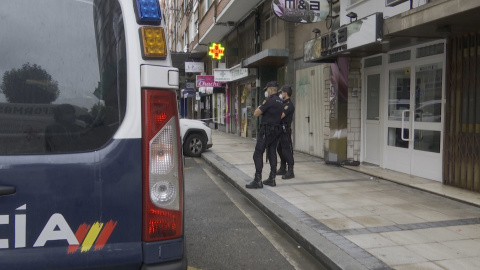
(280, 96)
(266, 94)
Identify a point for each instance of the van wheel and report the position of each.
(194, 145)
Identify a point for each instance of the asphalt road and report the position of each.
(226, 231)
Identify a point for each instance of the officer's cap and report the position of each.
(287, 89)
(271, 84)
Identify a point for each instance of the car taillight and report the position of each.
(162, 167)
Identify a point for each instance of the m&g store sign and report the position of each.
(301, 11)
(356, 34)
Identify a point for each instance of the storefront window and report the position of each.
(395, 137)
(399, 94)
(428, 93)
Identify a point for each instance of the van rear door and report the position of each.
(70, 186)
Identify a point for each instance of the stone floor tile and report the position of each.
(431, 215)
(397, 255)
(440, 234)
(355, 212)
(390, 200)
(470, 231)
(381, 209)
(325, 214)
(403, 218)
(372, 240)
(312, 206)
(460, 264)
(435, 251)
(407, 237)
(373, 221)
(419, 266)
(460, 213)
(341, 223)
(470, 248)
(409, 207)
(341, 204)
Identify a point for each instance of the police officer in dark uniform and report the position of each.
(267, 137)
(285, 147)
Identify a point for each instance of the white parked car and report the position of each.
(196, 137)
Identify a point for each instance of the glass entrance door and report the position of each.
(372, 119)
(414, 125)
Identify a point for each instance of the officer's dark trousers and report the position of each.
(269, 142)
(284, 149)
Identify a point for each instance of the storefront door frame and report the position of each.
(402, 152)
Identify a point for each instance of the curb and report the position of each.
(330, 255)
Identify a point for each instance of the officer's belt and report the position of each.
(285, 125)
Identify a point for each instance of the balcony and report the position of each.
(227, 16)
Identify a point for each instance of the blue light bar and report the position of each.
(148, 11)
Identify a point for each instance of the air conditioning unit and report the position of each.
(392, 3)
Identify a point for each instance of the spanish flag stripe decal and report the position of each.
(91, 236)
(80, 234)
(105, 234)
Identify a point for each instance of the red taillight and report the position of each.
(162, 167)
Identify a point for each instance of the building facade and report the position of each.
(389, 83)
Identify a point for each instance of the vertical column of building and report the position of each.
(354, 111)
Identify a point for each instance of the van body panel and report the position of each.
(71, 172)
(68, 193)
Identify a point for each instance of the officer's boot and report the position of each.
(282, 170)
(289, 173)
(256, 183)
(271, 180)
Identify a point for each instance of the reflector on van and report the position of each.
(153, 40)
(148, 11)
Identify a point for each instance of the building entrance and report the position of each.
(414, 123)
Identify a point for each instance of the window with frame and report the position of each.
(205, 5)
(54, 101)
(192, 28)
(271, 25)
(186, 42)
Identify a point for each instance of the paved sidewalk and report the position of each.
(355, 219)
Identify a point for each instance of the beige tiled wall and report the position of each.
(354, 110)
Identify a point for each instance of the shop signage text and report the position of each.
(301, 11)
(207, 81)
(194, 67)
(228, 75)
(358, 33)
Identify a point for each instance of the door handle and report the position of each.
(403, 128)
(308, 119)
(6, 190)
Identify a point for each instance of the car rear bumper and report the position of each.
(175, 265)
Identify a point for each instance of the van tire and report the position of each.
(194, 145)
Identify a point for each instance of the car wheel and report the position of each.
(194, 145)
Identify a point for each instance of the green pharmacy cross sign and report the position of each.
(216, 51)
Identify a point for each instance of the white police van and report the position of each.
(91, 172)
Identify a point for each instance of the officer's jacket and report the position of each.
(272, 110)
(289, 110)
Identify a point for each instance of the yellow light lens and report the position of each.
(154, 44)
